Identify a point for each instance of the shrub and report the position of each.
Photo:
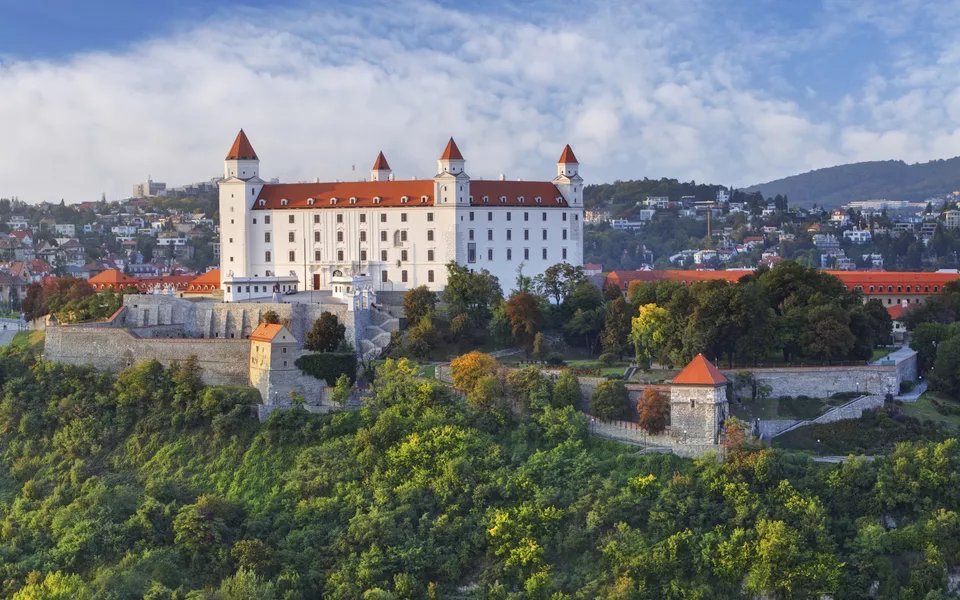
(555, 360)
(567, 391)
(608, 358)
(329, 366)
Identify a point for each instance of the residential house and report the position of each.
(858, 236)
(71, 252)
(24, 237)
(67, 230)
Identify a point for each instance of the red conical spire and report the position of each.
(567, 156)
(381, 163)
(700, 372)
(451, 152)
(241, 149)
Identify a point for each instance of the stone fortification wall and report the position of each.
(823, 382)
(630, 432)
(234, 320)
(224, 362)
(851, 410)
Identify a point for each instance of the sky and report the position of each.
(99, 95)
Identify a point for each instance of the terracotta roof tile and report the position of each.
(381, 163)
(568, 156)
(700, 372)
(241, 149)
(451, 152)
(265, 332)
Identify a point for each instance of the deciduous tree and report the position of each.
(327, 334)
(653, 408)
(467, 369)
(418, 303)
(523, 310)
(610, 400)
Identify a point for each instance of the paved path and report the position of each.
(839, 459)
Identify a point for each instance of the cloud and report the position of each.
(639, 89)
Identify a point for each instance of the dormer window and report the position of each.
(537, 199)
(470, 199)
(284, 202)
(503, 199)
(486, 199)
(559, 199)
(423, 199)
(520, 199)
(403, 200)
(263, 202)
(353, 199)
(333, 200)
(311, 201)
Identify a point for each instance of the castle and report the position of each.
(395, 234)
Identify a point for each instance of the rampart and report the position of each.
(224, 362)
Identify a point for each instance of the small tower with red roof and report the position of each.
(568, 180)
(698, 403)
(381, 170)
(452, 184)
(241, 161)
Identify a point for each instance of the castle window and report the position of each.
(363, 236)
(559, 199)
(429, 217)
(486, 199)
(544, 254)
(509, 216)
(383, 276)
(526, 216)
(363, 255)
(430, 276)
(526, 254)
(429, 235)
(339, 217)
(340, 255)
(339, 236)
(509, 254)
(503, 199)
(692, 403)
(470, 198)
(520, 199)
(263, 202)
(316, 236)
(544, 234)
(284, 202)
(403, 235)
(403, 217)
(489, 253)
(293, 256)
(403, 255)
(383, 236)
(383, 255)
(537, 200)
(316, 256)
(935, 288)
(290, 219)
(509, 235)
(564, 253)
(267, 257)
(403, 276)
(423, 199)
(489, 235)
(908, 288)
(376, 199)
(333, 200)
(291, 237)
(429, 255)
(383, 217)
(311, 201)
(564, 216)
(899, 288)
(353, 199)
(470, 233)
(564, 234)
(926, 288)
(871, 288)
(266, 220)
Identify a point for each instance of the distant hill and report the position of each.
(889, 179)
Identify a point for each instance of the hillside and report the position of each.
(152, 485)
(890, 179)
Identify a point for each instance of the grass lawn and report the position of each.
(428, 371)
(783, 408)
(614, 369)
(879, 353)
(29, 339)
(924, 409)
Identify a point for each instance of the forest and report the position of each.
(151, 485)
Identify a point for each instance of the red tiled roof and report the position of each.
(391, 193)
(513, 191)
(265, 332)
(895, 311)
(451, 152)
(112, 277)
(919, 282)
(207, 282)
(700, 372)
(241, 149)
(567, 156)
(381, 163)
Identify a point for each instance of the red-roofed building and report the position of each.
(698, 403)
(204, 285)
(398, 233)
(118, 281)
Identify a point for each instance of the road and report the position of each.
(8, 329)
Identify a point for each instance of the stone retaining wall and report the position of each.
(823, 382)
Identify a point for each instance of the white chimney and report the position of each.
(503, 177)
(414, 177)
(391, 177)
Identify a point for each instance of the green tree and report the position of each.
(327, 334)
(828, 334)
(422, 338)
(616, 328)
(945, 376)
(587, 324)
(523, 310)
(270, 317)
(471, 293)
(567, 390)
(610, 400)
(540, 348)
(649, 332)
(559, 280)
(418, 303)
(342, 390)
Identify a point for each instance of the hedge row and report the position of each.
(329, 365)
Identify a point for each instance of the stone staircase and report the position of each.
(377, 335)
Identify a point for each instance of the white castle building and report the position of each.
(397, 234)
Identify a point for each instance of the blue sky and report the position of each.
(98, 95)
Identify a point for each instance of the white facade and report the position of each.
(858, 236)
(400, 234)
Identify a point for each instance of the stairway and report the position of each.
(377, 335)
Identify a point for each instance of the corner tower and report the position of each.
(698, 403)
(568, 180)
(239, 189)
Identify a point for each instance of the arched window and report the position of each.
(936, 288)
(899, 288)
(908, 288)
(926, 289)
(871, 288)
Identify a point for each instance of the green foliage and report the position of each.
(567, 390)
(329, 366)
(419, 303)
(471, 293)
(152, 485)
(610, 400)
(270, 317)
(327, 334)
